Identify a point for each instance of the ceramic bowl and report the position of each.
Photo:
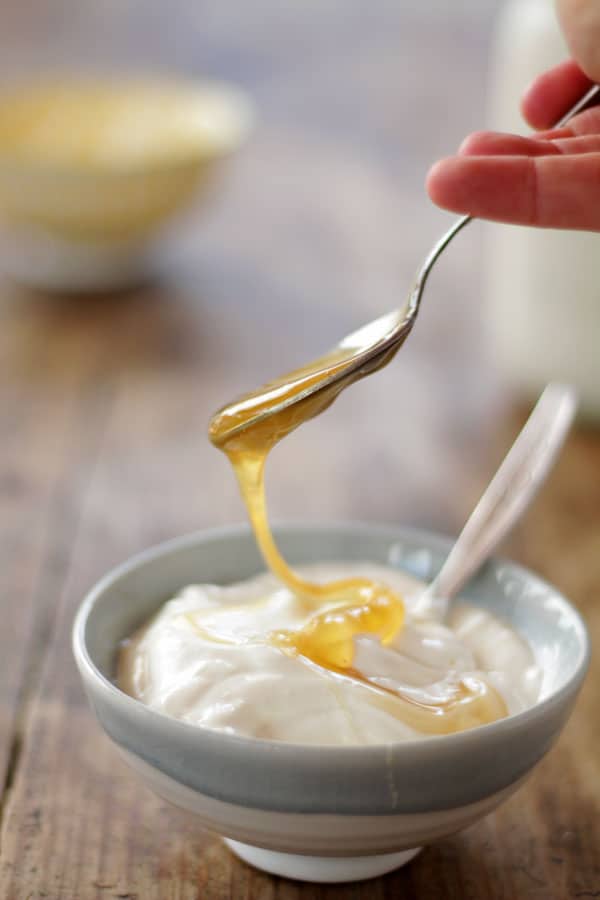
(327, 813)
(79, 218)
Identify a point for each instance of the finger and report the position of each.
(547, 191)
(553, 93)
(587, 122)
(493, 143)
(490, 142)
(553, 133)
(580, 23)
(589, 143)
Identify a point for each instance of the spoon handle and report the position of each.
(511, 490)
(589, 99)
(527, 463)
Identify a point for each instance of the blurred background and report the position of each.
(318, 224)
(315, 223)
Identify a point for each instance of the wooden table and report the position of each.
(104, 403)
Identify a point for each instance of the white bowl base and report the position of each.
(322, 869)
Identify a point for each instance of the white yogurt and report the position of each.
(204, 659)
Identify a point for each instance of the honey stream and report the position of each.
(246, 431)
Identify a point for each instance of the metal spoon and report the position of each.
(509, 493)
(360, 353)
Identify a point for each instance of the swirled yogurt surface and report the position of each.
(206, 658)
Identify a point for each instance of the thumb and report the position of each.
(580, 22)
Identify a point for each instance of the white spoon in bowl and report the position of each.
(510, 491)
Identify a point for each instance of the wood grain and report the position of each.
(104, 403)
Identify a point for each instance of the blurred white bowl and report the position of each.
(91, 170)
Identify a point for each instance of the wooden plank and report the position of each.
(50, 433)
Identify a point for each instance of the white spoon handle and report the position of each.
(509, 493)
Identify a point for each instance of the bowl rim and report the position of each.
(433, 540)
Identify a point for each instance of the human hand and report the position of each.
(553, 178)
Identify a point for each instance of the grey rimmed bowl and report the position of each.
(327, 813)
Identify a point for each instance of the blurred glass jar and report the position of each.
(542, 286)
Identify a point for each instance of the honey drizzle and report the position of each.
(353, 606)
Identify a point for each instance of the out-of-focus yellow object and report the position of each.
(101, 158)
(93, 166)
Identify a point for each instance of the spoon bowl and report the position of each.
(318, 383)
